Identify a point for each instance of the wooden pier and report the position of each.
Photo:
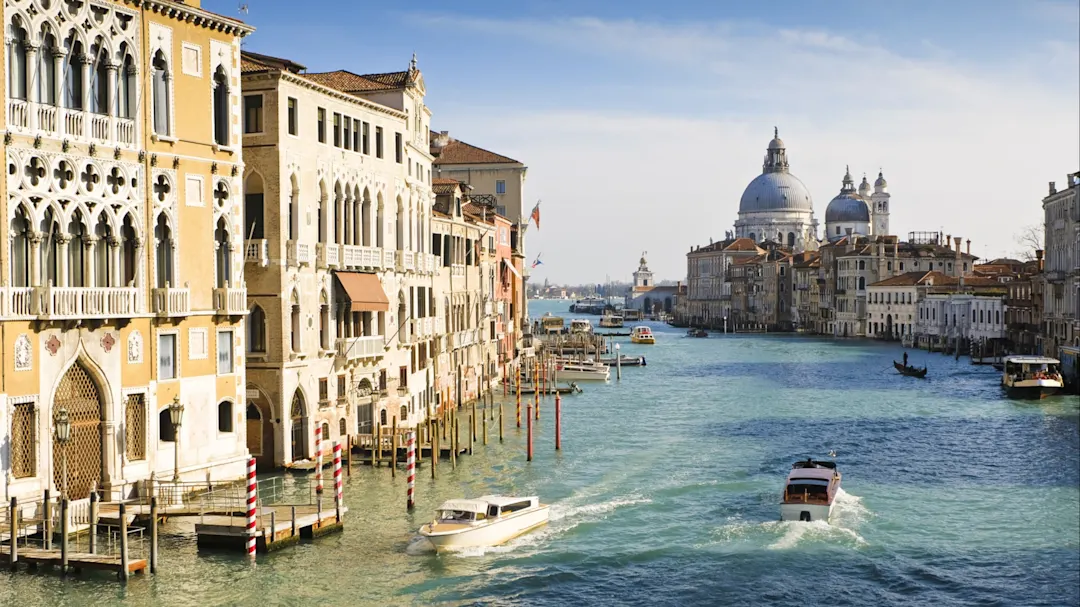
(277, 527)
(76, 561)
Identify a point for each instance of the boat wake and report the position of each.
(562, 518)
(848, 515)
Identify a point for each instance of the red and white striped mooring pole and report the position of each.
(251, 500)
(410, 469)
(318, 459)
(337, 479)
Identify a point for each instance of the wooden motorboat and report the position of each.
(909, 370)
(581, 370)
(810, 490)
(486, 521)
(528, 388)
(697, 333)
(1031, 377)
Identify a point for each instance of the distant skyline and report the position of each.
(642, 123)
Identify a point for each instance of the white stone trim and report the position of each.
(198, 343)
(194, 67)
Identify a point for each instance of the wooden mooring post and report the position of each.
(393, 448)
(558, 422)
(46, 513)
(153, 534)
(502, 409)
(13, 532)
(434, 447)
(64, 530)
(94, 514)
(517, 392)
(472, 426)
(454, 436)
(529, 443)
(123, 543)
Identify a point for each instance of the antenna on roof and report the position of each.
(242, 9)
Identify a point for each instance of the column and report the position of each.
(89, 265)
(116, 276)
(33, 67)
(35, 258)
(85, 63)
(58, 83)
(62, 260)
(114, 106)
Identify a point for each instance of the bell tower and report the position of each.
(643, 278)
(879, 207)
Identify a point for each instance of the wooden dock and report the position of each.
(276, 527)
(76, 561)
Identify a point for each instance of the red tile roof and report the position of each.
(459, 152)
(742, 244)
(444, 181)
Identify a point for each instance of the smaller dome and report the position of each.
(880, 181)
(847, 208)
(864, 187)
(777, 143)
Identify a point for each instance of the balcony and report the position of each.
(230, 301)
(1055, 276)
(423, 328)
(440, 326)
(67, 123)
(457, 269)
(406, 261)
(257, 252)
(61, 303)
(355, 348)
(327, 255)
(389, 259)
(171, 302)
(358, 257)
(298, 253)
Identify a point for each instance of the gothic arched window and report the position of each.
(221, 107)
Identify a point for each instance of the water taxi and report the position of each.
(642, 335)
(580, 326)
(489, 520)
(611, 321)
(581, 370)
(810, 490)
(1031, 376)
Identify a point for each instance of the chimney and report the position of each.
(969, 246)
(1039, 258)
(1053, 187)
(957, 241)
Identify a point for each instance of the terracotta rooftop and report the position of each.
(444, 189)
(444, 181)
(911, 279)
(258, 62)
(742, 244)
(459, 152)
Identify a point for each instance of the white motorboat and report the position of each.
(611, 321)
(580, 326)
(810, 491)
(1031, 376)
(581, 370)
(489, 520)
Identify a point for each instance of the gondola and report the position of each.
(909, 371)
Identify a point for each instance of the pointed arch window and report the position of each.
(99, 81)
(126, 89)
(365, 219)
(294, 323)
(20, 249)
(221, 107)
(257, 330)
(17, 73)
(50, 249)
(380, 226)
(223, 254)
(47, 70)
(103, 275)
(160, 93)
(129, 257)
(324, 323)
(324, 236)
(164, 249)
(73, 76)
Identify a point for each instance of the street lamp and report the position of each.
(176, 415)
(62, 425)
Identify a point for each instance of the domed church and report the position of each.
(858, 212)
(776, 206)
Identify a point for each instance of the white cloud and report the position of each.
(966, 147)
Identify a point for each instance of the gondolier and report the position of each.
(905, 359)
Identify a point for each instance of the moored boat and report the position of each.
(625, 360)
(581, 370)
(489, 520)
(611, 321)
(909, 370)
(642, 335)
(810, 490)
(1031, 377)
(580, 326)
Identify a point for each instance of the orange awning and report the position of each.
(364, 291)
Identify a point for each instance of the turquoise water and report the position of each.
(666, 493)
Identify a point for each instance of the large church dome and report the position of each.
(776, 189)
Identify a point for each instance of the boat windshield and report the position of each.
(460, 516)
(807, 491)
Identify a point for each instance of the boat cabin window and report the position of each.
(515, 507)
(808, 490)
(462, 516)
(493, 511)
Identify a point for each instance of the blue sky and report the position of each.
(642, 122)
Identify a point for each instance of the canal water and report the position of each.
(666, 493)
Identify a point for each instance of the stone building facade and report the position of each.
(121, 288)
(1061, 296)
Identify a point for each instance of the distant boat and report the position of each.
(697, 333)
(642, 335)
(810, 491)
(487, 521)
(909, 371)
(611, 321)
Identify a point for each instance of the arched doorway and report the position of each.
(78, 394)
(260, 432)
(889, 327)
(299, 427)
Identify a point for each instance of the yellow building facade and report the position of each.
(121, 265)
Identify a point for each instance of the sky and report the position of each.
(641, 123)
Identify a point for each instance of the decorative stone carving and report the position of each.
(24, 353)
(53, 344)
(108, 341)
(134, 348)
